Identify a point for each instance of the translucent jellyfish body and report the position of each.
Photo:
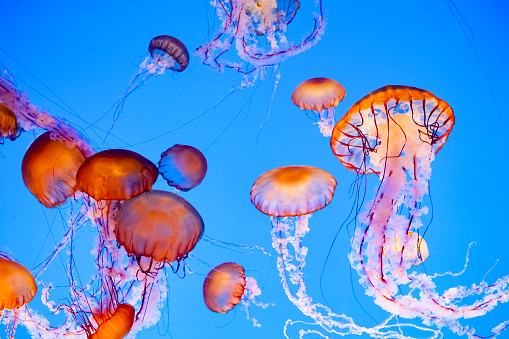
(183, 166)
(49, 170)
(319, 96)
(224, 287)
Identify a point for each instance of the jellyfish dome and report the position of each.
(166, 48)
(320, 96)
(118, 325)
(116, 174)
(17, 285)
(8, 123)
(183, 166)
(293, 191)
(224, 287)
(160, 225)
(49, 170)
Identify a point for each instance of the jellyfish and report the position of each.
(17, 285)
(166, 52)
(116, 174)
(49, 170)
(289, 195)
(118, 325)
(319, 96)
(183, 166)
(395, 132)
(258, 29)
(8, 123)
(160, 225)
(226, 286)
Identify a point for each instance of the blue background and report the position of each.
(87, 53)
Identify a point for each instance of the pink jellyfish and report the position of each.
(289, 195)
(183, 166)
(258, 30)
(319, 96)
(395, 132)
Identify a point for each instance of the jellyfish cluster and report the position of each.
(144, 233)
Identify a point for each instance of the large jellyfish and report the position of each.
(49, 170)
(116, 174)
(258, 28)
(183, 166)
(160, 225)
(395, 132)
(319, 97)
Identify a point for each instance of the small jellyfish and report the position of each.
(319, 96)
(8, 123)
(118, 325)
(116, 174)
(49, 170)
(183, 166)
(224, 287)
(414, 251)
(17, 285)
(160, 225)
(168, 52)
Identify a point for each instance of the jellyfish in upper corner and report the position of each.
(49, 169)
(289, 195)
(319, 97)
(183, 167)
(395, 132)
(8, 123)
(258, 30)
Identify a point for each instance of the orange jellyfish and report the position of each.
(183, 166)
(414, 251)
(17, 285)
(116, 174)
(289, 195)
(160, 225)
(49, 170)
(8, 123)
(319, 96)
(117, 326)
(224, 287)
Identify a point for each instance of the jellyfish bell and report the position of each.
(117, 326)
(273, 14)
(160, 225)
(224, 287)
(292, 191)
(321, 96)
(392, 123)
(8, 123)
(49, 170)
(166, 46)
(183, 166)
(17, 285)
(116, 174)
